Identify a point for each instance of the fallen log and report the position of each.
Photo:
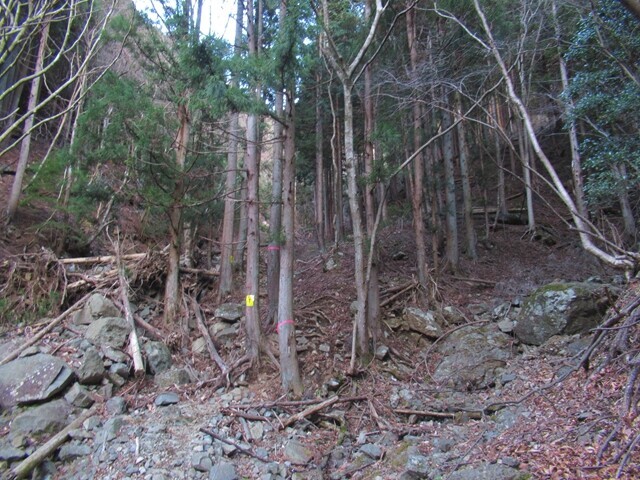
(32, 461)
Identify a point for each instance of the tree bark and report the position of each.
(289, 367)
(451, 214)
(172, 291)
(467, 201)
(16, 187)
(417, 201)
(228, 219)
(320, 193)
(252, 299)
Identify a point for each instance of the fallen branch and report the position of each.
(101, 259)
(309, 411)
(475, 280)
(404, 289)
(473, 415)
(297, 403)
(134, 344)
(33, 460)
(13, 355)
(200, 271)
(213, 352)
(246, 451)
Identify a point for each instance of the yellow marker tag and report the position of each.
(231, 258)
(249, 300)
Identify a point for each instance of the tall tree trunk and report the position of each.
(275, 215)
(451, 214)
(336, 158)
(417, 201)
(172, 291)
(289, 367)
(25, 146)
(525, 158)
(252, 285)
(373, 295)
(228, 219)
(241, 234)
(467, 202)
(320, 193)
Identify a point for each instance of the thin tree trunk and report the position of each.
(228, 219)
(525, 157)
(336, 158)
(172, 291)
(320, 193)
(289, 367)
(467, 201)
(275, 215)
(241, 235)
(373, 294)
(16, 188)
(451, 214)
(252, 285)
(418, 163)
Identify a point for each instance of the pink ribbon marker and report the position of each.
(283, 323)
(273, 247)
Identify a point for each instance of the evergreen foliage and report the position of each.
(605, 88)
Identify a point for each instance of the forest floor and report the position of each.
(557, 431)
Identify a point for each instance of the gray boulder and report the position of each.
(231, 312)
(158, 357)
(473, 357)
(78, 396)
(46, 418)
(109, 331)
(98, 306)
(422, 322)
(561, 308)
(297, 453)
(33, 379)
(91, 370)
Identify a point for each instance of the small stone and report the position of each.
(120, 369)
(91, 371)
(71, 451)
(231, 312)
(166, 398)
(507, 378)
(158, 357)
(201, 462)
(323, 347)
(113, 354)
(116, 380)
(199, 346)
(223, 471)
(506, 326)
(381, 352)
(257, 430)
(372, 450)
(171, 377)
(78, 396)
(297, 453)
(9, 453)
(116, 406)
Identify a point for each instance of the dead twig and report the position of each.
(246, 451)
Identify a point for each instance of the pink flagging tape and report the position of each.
(283, 323)
(273, 247)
